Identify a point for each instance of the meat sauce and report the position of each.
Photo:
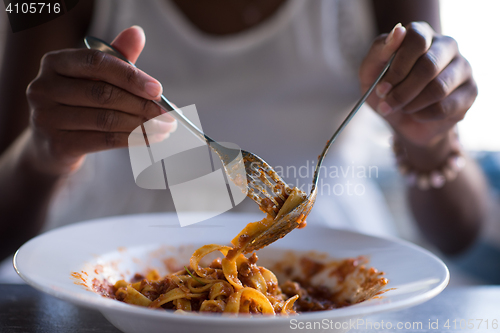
(311, 297)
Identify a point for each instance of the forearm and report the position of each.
(25, 195)
(450, 216)
(25, 189)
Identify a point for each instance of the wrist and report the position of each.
(430, 166)
(19, 171)
(36, 158)
(431, 156)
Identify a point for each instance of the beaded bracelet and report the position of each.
(436, 178)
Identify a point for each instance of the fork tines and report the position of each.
(265, 186)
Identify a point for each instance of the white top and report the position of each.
(279, 90)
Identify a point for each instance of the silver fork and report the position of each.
(294, 218)
(260, 178)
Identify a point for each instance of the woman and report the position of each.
(240, 61)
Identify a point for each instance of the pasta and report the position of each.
(231, 285)
(235, 284)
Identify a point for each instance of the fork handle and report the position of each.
(354, 111)
(164, 103)
(346, 121)
(362, 100)
(167, 106)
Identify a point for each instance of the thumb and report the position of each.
(392, 43)
(130, 42)
(380, 53)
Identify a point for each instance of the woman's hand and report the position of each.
(427, 89)
(85, 101)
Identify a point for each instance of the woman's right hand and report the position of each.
(84, 101)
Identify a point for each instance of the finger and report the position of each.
(426, 68)
(452, 109)
(417, 41)
(98, 94)
(130, 42)
(92, 119)
(96, 65)
(379, 54)
(453, 76)
(77, 143)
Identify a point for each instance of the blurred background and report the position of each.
(478, 41)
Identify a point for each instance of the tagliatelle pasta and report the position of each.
(234, 284)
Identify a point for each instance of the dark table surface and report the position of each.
(23, 309)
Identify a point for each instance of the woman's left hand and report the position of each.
(428, 88)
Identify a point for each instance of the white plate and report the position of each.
(126, 244)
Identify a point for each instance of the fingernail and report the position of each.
(383, 89)
(384, 109)
(168, 118)
(165, 117)
(163, 126)
(158, 137)
(153, 89)
(138, 27)
(391, 34)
